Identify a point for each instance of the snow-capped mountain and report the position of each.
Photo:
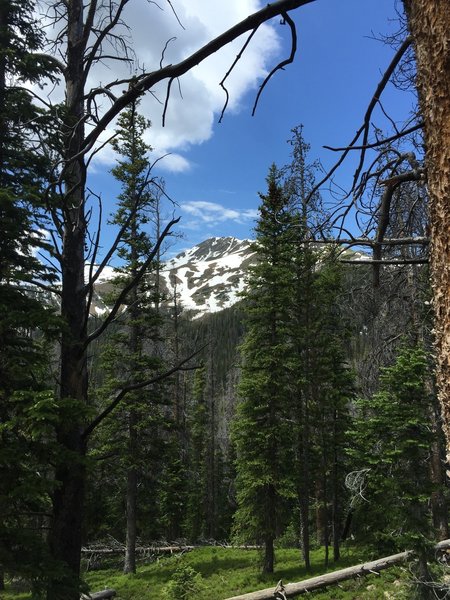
(208, 277)
(204, 279)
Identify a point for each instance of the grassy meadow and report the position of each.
(215, 573)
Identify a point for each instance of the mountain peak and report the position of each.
(208, 277)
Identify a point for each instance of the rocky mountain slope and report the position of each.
(205, 279)
(208, 277)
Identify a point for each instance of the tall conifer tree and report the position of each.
(132, 354)
(262, 429)
(27, 407)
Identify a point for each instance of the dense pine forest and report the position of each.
(305, 423)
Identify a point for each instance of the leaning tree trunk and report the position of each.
(429, 24)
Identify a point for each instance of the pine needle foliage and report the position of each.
(28, 411)
(391, 446)
(262, 430)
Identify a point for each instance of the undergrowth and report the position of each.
(215, 573)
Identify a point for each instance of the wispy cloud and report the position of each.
(212, 213)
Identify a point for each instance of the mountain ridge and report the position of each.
(209, 276)
(204, 279)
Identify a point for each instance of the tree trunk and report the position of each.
(65, 538)
(429, 24)
(135, 348)
(304, 490)
(131, 499)
(269, 530)
(320, 513)
(335, 509)
(68, 499)
(291, 590)
(304, 527)
(438, 502)
(211, 499)
(269, 555)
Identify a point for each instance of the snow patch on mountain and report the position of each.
(209, 276)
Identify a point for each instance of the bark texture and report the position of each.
(65, 536)
(429, 24)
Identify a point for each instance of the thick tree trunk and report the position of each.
(68, 500)
(429, 24)
(269, 555)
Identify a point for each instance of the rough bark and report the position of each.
(68, 499)
(429, 24)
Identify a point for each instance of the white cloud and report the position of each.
(176, 163)
(213, 213)
(196, 99)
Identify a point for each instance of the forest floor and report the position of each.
(226, 572)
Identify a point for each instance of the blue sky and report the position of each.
(216, 170)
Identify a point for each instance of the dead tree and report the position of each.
(87, 33)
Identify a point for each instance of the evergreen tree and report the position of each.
(335, 389)
(173, 480)
(262, 428)
(197, 482)
(321, 382)
(131, 356)
(391, 443)
(27, 408)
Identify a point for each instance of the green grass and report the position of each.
(228, 572)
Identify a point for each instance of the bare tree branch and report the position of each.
(102, 34)
(171, 72)
(375, 262)
(283, 63)
(136, 386)
(359, 241)
(236, 60)
(175, 13)
(364, 129)
(172, 39)
(125, 291)
(378, 143)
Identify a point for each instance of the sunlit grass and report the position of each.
(227, 572)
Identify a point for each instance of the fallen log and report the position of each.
(139, 549)
(290, 590)
(102, 595)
